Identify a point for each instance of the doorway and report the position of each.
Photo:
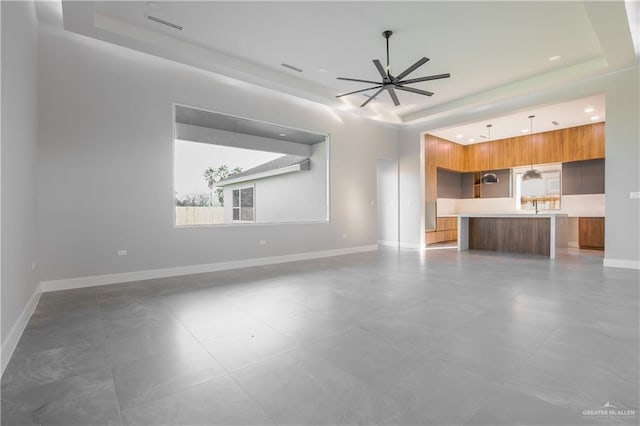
(388, 202)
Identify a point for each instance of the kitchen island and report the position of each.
(540, 234)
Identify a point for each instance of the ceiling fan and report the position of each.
(390, 83)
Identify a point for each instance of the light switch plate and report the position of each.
(634, 195)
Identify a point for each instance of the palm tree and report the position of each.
(213, 175)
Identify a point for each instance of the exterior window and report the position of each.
(243, 206)
(539, 194)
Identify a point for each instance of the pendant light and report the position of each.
(532, 174)
(490, 177)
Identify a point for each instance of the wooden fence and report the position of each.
(199, 215)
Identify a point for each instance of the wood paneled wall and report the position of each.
(557, 146)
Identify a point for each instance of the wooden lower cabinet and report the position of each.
(446, 230)
(591, 232)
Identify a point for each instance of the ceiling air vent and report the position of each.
(163, 22)
(555, 123)
(291, 67)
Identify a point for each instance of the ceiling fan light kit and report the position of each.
(391, 83)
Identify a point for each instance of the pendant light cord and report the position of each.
(531, 117)
(490, 146)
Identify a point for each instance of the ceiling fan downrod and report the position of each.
(387, 34)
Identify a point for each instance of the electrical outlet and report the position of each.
(634, 195)
(344, 236)
(262, 242)
(122, 252)
(372, 203)
(33, 265)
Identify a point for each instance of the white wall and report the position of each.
(622, 144)
(19, 163)
(411, 187)
(107, 155)
(622, 169)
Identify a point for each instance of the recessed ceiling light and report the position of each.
(283, 134)
(554, 58)
(594, 118)
(524, 130)
(459, 136)
(589, 109)
(322, 69)
(472, 140)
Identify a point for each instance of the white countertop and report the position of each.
(527, 215)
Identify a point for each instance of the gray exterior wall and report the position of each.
(292, 197)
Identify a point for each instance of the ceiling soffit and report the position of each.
(486, 65)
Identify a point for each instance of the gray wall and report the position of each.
(19, 158)
(502, 188)
(583, 177)
(292, 197)
(107, 158)
(460, 185)
(450, 184)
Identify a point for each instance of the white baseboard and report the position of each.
(10, 343)
(620, 263)
(92, 281)
(573, 244)
(411, 246)
(388, 243)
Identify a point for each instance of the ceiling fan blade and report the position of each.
(418, 91)
(431, 77)
(393, 95)
(358, 91)
(412, 68)
(358, 80)
(372, 97)
(380, 69)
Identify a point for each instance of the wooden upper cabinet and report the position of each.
(477, 157)
(547, 147)
(509, 152)
(573, 144)
(449, 155)
(583, 142)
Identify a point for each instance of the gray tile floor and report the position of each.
(387, 337)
